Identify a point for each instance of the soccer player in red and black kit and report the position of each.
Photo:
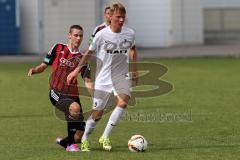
(64, 58)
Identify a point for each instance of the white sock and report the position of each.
(114, 118)
(90, 125)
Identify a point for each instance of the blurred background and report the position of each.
(197, 120)
(169, 28)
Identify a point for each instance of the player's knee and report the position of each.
(74, 107)
(97, 115)
(75, 111)
(123, 101)
(96, 118)
(122, 104)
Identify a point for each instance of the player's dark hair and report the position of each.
(107, 8)
(75, 26)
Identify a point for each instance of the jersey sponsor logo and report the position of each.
(113, 48)
(125, 44)
(117, 51)
(65, 62)
(110, 45)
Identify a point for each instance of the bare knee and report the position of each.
(97, 115)
(122, 105)
(74, 110)
(122, 101)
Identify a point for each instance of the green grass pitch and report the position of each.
(199, 119)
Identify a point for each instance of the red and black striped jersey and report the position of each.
(63, 62)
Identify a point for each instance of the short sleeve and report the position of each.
(133, 40)
(50, 56)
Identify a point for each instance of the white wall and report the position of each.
(220, 3)
(59, 15)
(29, 36)
(165, 23)
(150, 20)
(158, 23)
(187, 22)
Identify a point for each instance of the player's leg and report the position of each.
(113, 120)
(75, 124)
(99, 102)
(74, 117)
(122, 90)
(55, 98)
(117, 113)
(65, 141)
(96, 115)
(90, 125)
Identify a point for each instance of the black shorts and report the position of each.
(62, 101)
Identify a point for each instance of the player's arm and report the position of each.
(73, 75)
(38, 69)
(86, 75)
(46, 62)
(133, 59)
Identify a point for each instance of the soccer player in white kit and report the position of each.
(111, 45)
(107, 21)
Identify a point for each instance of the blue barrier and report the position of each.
(9, 27)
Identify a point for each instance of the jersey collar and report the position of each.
(70, 49)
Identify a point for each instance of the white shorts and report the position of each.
(103, 94)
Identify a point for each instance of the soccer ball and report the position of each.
(137, 143)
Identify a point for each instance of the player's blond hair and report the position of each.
(117, 7)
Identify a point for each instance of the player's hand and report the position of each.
(135, 77)
(72, 77)
(30, 72)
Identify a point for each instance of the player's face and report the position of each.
(117, 19)
(107, 16)
(75, 38)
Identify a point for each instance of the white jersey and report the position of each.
(112, 53)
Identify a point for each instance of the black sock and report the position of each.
(71, 132)
(64, 142)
